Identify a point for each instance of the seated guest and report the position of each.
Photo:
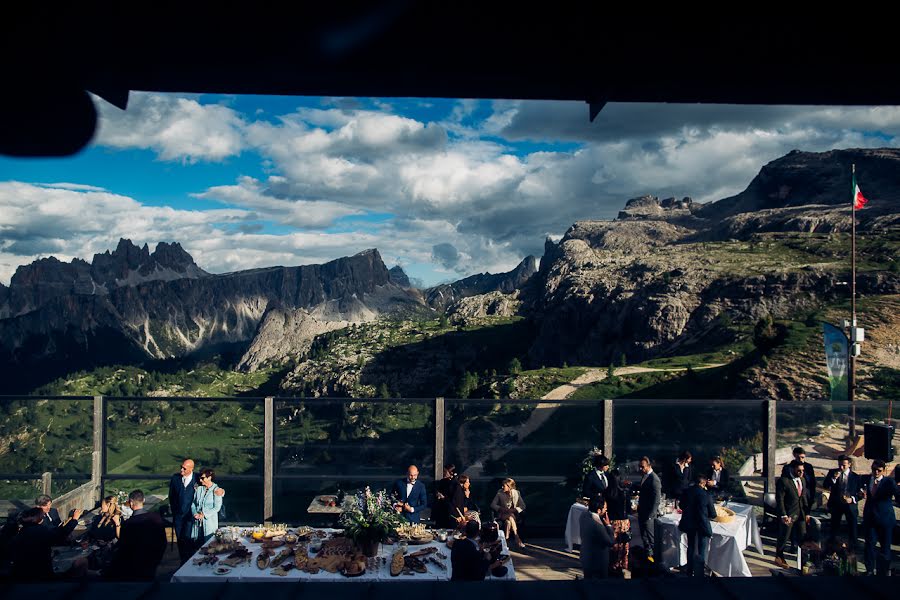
(205, 508)
(142, 543)
(462, 505)
(678, 476)
(597, 480)
(717, 477)
(31, 548)
(411, 495)
(106, 525)
(51, 516)
(508, 507)
(446, 487)
(596, 539)
(468, 561)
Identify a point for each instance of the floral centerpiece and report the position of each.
(369, 519)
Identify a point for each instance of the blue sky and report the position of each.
(444, 187)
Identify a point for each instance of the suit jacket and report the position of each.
(51, 519)
(469, 564)
(835, 501)
(594, 484)
(180, 499)
(596, 540)
(809, 477)
(418, 498)
(724, 478)
(879, 509)
(697, 510)
(142, 543)
(30, 551)
(651, 492)
(788, 501)
(677, 480)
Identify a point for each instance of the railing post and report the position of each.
(47, 484)
(98, 456)
(439, 438)
(608, 428)
(269, 459)
(770, 443)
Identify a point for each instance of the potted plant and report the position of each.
(369, 519)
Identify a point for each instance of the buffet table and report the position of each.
(191, 573)
(728, 542)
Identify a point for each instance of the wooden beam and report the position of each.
(269, 459)
(98, 455)
(770, 443)
(439, 437)
(608, 428)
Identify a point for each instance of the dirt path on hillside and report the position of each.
(544, 410)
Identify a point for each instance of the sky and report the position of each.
(443, 187)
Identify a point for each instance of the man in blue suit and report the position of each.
(411, 495)
(844, 486)
(697, 510)
(181, 494)
(878, 518)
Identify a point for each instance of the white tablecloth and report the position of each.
(728, 542)
(191, 573)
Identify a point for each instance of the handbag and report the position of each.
(623, 537)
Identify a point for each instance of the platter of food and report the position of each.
(221, 570)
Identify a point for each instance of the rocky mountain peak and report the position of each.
(651, 207)
(398, 276)
(173, 256)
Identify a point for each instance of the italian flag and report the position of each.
(858, 199)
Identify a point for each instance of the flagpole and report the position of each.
(851, 380)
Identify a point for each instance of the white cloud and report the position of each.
(176, 128)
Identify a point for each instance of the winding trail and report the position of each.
(544, 410)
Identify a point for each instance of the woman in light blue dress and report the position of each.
(205, 508)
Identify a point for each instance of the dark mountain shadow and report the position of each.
(434, 367)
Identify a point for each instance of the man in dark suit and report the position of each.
(843, 485)
(717, 477)
(679, 475)
(51, 515)
(697, 510)
(809, 475)
(597, 538)
(878, 518)
(793, 510)
(597, 480)
(467, 559)
(142, 543)
(650, 489)
(411, 495)
(181, 494)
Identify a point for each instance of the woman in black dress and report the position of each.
(617, 500)
(446, 488)
(105, 526)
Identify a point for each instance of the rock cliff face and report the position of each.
(139, 307)
(658, 277)
(442, 296)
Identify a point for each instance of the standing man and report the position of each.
(809, 475)
(680, 475)
(793, 510)
(697, 510)
(596, 539)
(597, 480)
(142, 543)
(411, 495)
(844, 486)
(650, 489)
(878, 518)
(181, 494)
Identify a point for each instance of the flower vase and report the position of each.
(369, 548)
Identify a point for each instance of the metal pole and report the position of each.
(440, 440)
(851, 379)
(608, 428)
(98, 456)
(269, 458)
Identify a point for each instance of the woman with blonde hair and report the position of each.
(508, 507)
(106, 525)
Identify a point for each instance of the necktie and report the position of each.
(874, 486)
(799, 487)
